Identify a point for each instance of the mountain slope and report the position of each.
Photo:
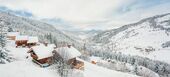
(144, 37)
(35, 28)
(81, 35)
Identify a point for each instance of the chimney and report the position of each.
(69, 46)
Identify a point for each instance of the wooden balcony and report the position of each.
(78, 65)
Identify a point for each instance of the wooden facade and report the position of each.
(47, 60)
(74, 63)
(21, 43)
(11, 37)
(31, 44)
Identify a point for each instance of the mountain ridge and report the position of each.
(117, 30)
(35, 28)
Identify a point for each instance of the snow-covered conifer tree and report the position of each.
(3, 52)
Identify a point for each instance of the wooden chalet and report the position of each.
(12, 35)
(69, 54)
(32, 41)
(41, 55)
(21, 41)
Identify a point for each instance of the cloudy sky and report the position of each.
(87, 14)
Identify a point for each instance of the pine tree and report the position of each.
(156, 68)
(3, 31)
(62, 66)
(3, 51)
(136, 69)
(10, 29)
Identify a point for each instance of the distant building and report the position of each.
(21, 41)
(69, 54)
(41, 55)
(12, 35)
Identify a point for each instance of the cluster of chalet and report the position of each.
(44, 53)
(22, 40)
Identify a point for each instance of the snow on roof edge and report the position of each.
(68, 53)
(43, 51)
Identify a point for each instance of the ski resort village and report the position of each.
(84, 38)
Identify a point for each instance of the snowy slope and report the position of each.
(23, 67)
(96, 71)
(35, 28)
(144, 38)
(81, 35)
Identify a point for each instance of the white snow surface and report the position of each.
(161, 55)
(42, 51)
(143, 39)
(96, 71)
(12, 33)
(32, 39)
(21, 37)
(24, 67)
(96, 59)
(68, 53)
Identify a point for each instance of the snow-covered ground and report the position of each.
(145, 38)
(24, 67)
(161, 55)
(96, 71)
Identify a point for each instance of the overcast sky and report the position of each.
(90, 14)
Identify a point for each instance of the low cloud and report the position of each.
(91, 14)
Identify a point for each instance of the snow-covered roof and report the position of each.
(32, 39)
(21, 38)
(93, 58)
(12, 33)
(42, 51)
(52, 45)
(68, 53)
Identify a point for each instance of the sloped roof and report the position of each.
(21, 38)
(32, 39)
(52, 45)
(42, 51)
(68, 53)
(12, 33)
